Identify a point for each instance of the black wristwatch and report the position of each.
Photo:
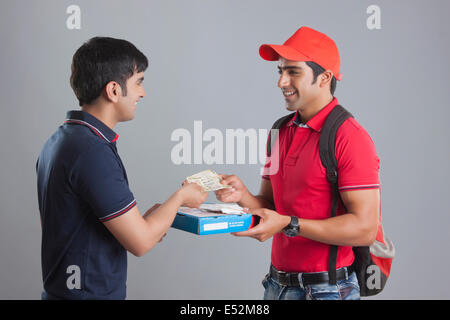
(293, 228)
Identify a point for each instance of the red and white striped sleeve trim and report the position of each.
(119, 212)
(359, 187)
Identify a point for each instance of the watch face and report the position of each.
(291, 232)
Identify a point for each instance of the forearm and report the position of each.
(250, 201)
(160, 220)
(344, 230)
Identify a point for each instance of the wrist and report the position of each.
(285, 221)
(246, 198)
(178, 197)
(292, 229)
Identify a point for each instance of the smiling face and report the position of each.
(296, 83)
(126, 104)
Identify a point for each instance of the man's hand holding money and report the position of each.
(235, 192)
(192, 194)
(209, 180)
(228, 188)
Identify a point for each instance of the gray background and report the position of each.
(204, 65)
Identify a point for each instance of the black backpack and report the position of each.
(372, 263)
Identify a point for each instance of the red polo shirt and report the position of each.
(300, 186)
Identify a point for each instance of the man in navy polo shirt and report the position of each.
(88, 214)
(294, 201)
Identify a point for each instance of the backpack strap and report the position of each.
(276, 126)
(327, 154)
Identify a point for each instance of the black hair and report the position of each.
(101, 60)
(317, 70)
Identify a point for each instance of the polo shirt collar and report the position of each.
(88, 120)
(316, 122)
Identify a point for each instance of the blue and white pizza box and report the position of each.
(213, 219)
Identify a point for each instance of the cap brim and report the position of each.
(273, 52)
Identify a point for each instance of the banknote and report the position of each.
(209, 180)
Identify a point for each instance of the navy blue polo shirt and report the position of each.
(82, 183)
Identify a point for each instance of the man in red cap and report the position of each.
(294, 202)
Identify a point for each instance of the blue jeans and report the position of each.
(343, 290)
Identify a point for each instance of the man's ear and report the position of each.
(325, 78)
(113, 91)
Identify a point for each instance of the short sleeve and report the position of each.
(99, 179)
(358, 162)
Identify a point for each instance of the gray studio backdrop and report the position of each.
(204, 66)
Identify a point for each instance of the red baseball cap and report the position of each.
(306, 44)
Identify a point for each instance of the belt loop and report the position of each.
(300, 280)
(346, 273)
